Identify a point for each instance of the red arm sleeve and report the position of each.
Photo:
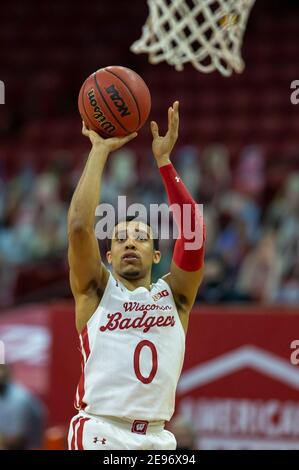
(186, 259)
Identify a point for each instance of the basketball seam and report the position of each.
(136, 102)
(99, 90)
(86, 114)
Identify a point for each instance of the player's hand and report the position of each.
(110, 144)
(162, 146)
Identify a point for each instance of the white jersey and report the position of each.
(133, 349)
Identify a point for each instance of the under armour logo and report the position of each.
(177, 179)
(102, 441)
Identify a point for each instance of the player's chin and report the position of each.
(130, 270)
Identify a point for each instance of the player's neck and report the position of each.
(135, 283)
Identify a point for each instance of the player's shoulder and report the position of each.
(113, 284)
(110, 281)
(161, 288)
(160, 283)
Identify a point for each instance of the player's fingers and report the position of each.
(174, 120)
(176, 106)
(176, 117)
(154, 129)
(84, 129)
(93, 135)
(129, 137)
(170, 117)
(176, 110)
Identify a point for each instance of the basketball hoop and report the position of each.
(207, 33)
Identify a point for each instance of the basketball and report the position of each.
(114, 101)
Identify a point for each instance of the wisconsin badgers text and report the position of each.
(144, 322)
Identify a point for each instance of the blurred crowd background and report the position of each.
(238, 150)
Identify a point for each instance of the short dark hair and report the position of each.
(129, 218)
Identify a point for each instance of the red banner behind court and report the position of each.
(238, 385)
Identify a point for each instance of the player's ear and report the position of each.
(108, 256)
(156, 256)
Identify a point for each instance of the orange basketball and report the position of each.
(114, 101)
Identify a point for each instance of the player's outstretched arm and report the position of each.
(86, 270)
(186, 269)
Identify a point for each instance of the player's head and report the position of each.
(133, 248)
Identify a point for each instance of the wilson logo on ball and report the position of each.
(99, 115)
(118, 101)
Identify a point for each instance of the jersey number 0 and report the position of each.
(139, 347)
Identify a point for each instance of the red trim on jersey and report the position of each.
(85, 340)
(85, 352)
(75, 422)
(80, 405)
(80, 433)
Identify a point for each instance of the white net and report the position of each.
(206, 33)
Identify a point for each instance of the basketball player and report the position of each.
(132, 332)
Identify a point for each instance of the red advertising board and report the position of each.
(41, 347)
(238, 386)
(26, 337)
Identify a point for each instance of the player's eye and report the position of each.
(141, 236)
(120, 237)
